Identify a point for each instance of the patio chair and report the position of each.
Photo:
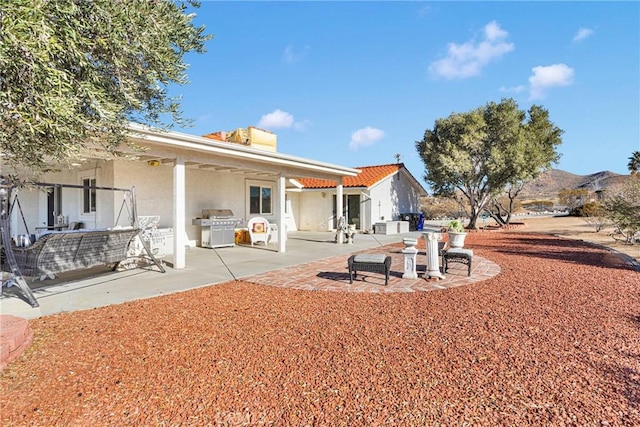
(259, 230)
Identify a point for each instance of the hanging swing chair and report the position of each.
(66, 250)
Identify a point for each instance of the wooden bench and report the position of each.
(58, 252)
(463, 256)
(374, 263)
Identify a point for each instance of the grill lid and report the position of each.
(217, 213)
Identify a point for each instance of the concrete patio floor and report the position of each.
(313, 261)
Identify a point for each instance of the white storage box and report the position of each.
(391, 227)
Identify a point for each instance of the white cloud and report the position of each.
(468, 59)
(493, 32)
(290, 55)
(582, 34)
(278, 119)
(364, 137)
(547, 77)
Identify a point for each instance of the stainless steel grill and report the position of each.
(217, 228)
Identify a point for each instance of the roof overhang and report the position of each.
(206, 153)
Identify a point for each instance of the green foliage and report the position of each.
(623, 209)
(634, 163)
(592, 209)
(589, 209)
(594, 214)
(482, 152)
(75, 72)
(456, 226)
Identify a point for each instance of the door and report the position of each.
(54, 205)
(351, 204)
(353, 210)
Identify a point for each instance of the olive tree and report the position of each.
(76, 72)
(489, 151)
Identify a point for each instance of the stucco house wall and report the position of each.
(406, 195)
(306, 210)
(35, 207)
(205, 190)
(383, 198)
(315, 211)
(291, 210)
(393, 196)
(27, 197)
(154, 195)
(383, 193)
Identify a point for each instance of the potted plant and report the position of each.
(457, 233)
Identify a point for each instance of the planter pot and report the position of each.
(456, 240)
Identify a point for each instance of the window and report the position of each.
(259, 200)
(89, 195)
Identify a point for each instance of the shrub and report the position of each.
(595, 214)
(623, 209)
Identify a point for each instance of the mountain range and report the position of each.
(550, 182)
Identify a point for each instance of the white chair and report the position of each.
(259, 230)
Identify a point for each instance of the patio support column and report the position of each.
(282, 227)
(339, 211)
(179, 216)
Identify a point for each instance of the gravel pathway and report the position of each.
(554, 339)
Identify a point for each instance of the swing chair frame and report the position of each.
(114, 251)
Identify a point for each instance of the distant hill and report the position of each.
(549, 183)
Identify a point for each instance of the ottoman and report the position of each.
(373, 263)
(460, 255)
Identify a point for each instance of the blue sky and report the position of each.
(355, 83)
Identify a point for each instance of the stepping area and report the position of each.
(332, 274)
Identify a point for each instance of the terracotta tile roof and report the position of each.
(368, 176)
(220, 136)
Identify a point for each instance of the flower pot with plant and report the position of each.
(456, 233)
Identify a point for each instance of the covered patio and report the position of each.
(236, 163)
(175, 177)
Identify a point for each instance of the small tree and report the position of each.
(74, 73)
(623, 209)
(504, 205)
(595, 214)
(487, 151)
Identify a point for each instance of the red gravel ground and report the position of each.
(554, 339)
